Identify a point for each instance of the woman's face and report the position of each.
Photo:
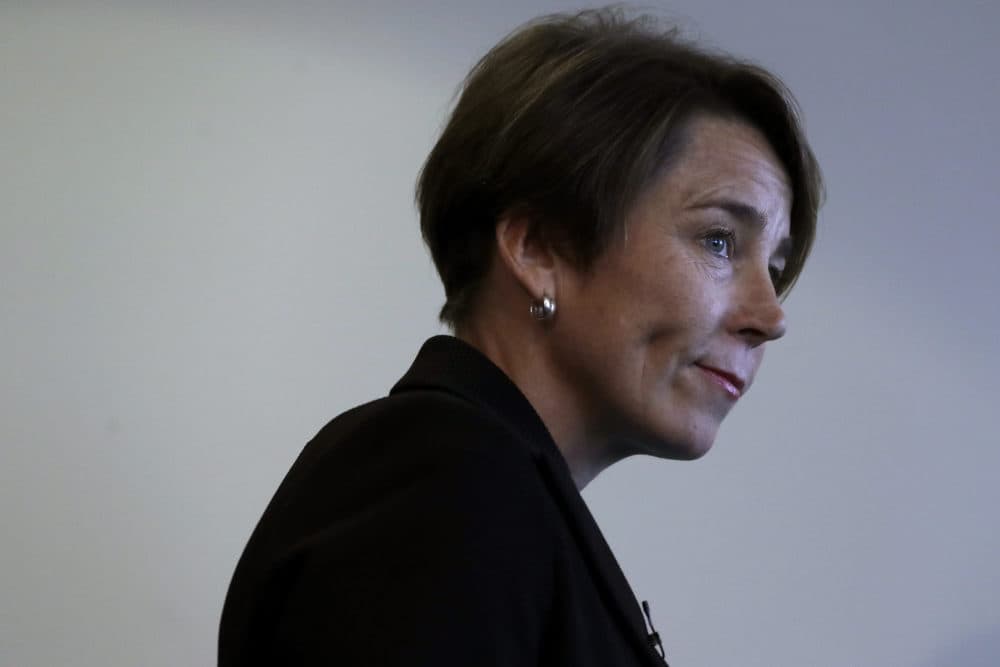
(660, 339)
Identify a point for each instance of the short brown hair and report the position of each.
(568, 118)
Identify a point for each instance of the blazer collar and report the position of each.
(446, 363)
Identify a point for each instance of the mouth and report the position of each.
(731, 383)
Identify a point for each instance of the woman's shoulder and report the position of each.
(423, 445)
(406, 470)
(421, 499)
(427, 424)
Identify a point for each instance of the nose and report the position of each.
(758, 315)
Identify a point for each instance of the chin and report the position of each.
(690, 444)
(695, 448)
(677, 449)
(692, 453)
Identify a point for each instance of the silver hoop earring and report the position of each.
(544, 309)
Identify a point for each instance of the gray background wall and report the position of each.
(208, 248)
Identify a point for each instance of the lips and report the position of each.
(732, 383)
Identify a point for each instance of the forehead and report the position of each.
(730, 159)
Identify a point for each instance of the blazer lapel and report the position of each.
(607, 573)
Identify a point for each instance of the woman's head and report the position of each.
(663, 196)
(568, 120)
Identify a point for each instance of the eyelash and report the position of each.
(729, 237)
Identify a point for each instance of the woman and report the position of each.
(614, 214)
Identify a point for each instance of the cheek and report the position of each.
(689, 294)
(685, 318)
(650, 311)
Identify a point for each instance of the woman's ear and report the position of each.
(526, 254)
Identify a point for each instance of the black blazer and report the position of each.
(437, 526)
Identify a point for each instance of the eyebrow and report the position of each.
(750, 215)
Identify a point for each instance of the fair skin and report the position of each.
(651, 348)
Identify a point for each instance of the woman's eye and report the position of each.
(720, 243)
(775, 275)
